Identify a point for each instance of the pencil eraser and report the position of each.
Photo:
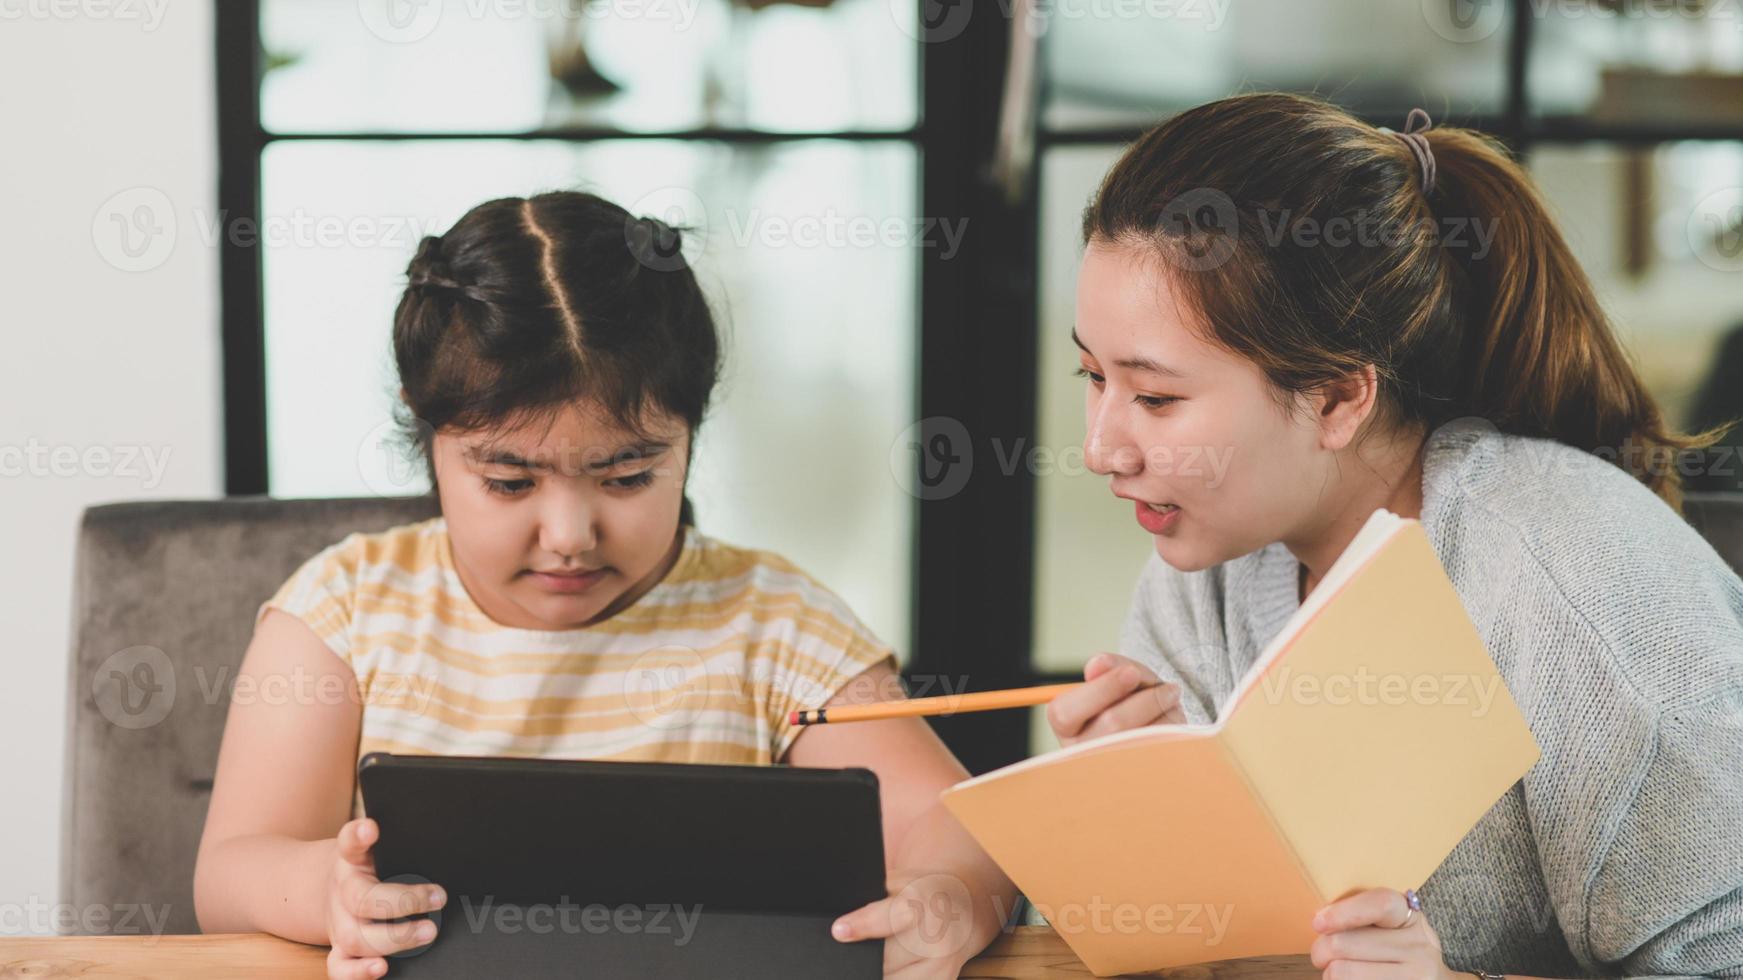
(793, 718)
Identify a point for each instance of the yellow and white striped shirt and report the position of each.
(704, 667)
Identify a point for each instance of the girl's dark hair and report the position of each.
(1508, 330)
(529, 305)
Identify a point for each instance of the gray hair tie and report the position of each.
(1415, 125)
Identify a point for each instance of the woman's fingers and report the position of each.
(1146, 706)
(1110, 680)
(1384, 907)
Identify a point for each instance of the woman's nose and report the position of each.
(1107, 450)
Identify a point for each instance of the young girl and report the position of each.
(556, 358)
(1357, 318)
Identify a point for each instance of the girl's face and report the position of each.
(1176, 420)
(557, 525)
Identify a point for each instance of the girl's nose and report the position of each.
(568, 530)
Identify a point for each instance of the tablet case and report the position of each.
(629, 870)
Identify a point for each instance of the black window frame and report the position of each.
(977, 322)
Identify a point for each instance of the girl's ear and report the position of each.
(1341, 406)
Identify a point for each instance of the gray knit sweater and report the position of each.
(1619, 632)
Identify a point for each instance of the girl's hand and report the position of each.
(357, 902)
(1121, 694)
(1360, 939)
(927, 923)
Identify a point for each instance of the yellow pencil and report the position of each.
(949, 704)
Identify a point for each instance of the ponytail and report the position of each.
(1540, 356)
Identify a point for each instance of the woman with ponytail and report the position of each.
(1354, 318)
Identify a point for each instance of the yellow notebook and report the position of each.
(1366, 741)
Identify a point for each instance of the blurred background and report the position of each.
(212, 207)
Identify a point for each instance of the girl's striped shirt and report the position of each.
(704, 667)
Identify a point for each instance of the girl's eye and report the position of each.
(1094, 378)
(634, 481)
(507, 488)
(1155, 401)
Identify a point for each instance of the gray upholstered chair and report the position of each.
(163, 606)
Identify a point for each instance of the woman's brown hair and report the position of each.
(1314, 244)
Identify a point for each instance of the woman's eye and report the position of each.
(1094, 378)
(1155, 401)
(632, 482)
(508, 488)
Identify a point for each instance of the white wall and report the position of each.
(98, 348)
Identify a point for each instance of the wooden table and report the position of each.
(1031, 951)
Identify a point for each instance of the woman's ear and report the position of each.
(1341, 406)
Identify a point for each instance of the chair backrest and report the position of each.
(1718, 515)
(164, 599)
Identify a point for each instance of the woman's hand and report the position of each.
(928, 923)
(357, 902)
(1121, 694)
(1360, 939)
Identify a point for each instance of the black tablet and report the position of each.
(629, 870)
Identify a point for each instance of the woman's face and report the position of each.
(576, 495)
(1175, 420)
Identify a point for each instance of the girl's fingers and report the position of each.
(1100, 664)
(355, 840)
(1145, 706)
(343, 967)
(368, 899)
(1070, 712)
(872, 921)
(1381, 907)
(377, 939)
